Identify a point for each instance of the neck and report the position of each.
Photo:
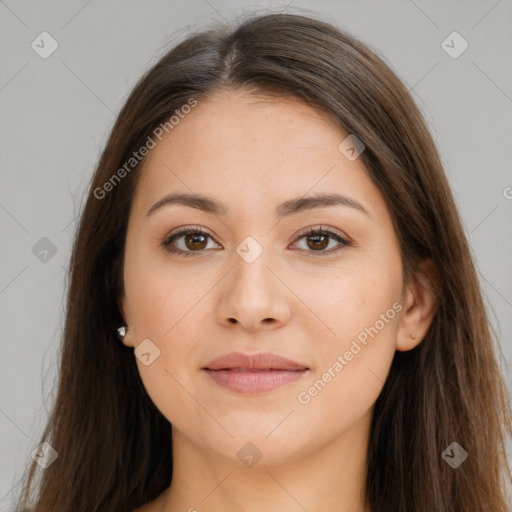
(330, 478)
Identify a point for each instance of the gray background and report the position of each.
(57, 112)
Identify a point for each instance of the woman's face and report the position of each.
(253, 281)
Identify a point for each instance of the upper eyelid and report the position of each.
(322, 228)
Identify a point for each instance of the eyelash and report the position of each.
(167, 242)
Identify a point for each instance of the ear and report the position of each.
(121, 303)
(420, 302)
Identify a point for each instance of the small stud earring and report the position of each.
(412, 336)
(121, 331)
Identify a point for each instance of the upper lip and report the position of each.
(261, 361)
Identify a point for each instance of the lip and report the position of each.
(261, 361)
(255, 373)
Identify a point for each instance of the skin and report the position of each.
(294, 300)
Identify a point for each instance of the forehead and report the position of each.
(252, 150)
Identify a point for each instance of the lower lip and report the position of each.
(252, 382)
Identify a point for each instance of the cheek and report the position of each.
(160, 295)
(158, 306)
(166, 313)
(353, 302)
(349, 378)
(170, 379)
(352, 365)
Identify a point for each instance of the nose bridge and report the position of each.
(254, 294)
(251, 274)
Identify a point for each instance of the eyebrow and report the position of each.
(290, 207)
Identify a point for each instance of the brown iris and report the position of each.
(194, 239)
(318, 244)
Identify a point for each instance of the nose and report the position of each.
(253, 295)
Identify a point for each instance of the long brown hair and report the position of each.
(114, 446)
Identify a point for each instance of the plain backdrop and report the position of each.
(56, 113)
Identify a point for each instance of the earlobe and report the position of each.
(124, 335)
(123, 332)
(420, 306)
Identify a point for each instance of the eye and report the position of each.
(318, 239)
(194, 240)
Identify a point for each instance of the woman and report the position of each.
(270, 260)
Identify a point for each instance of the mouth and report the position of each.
(253, 374)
